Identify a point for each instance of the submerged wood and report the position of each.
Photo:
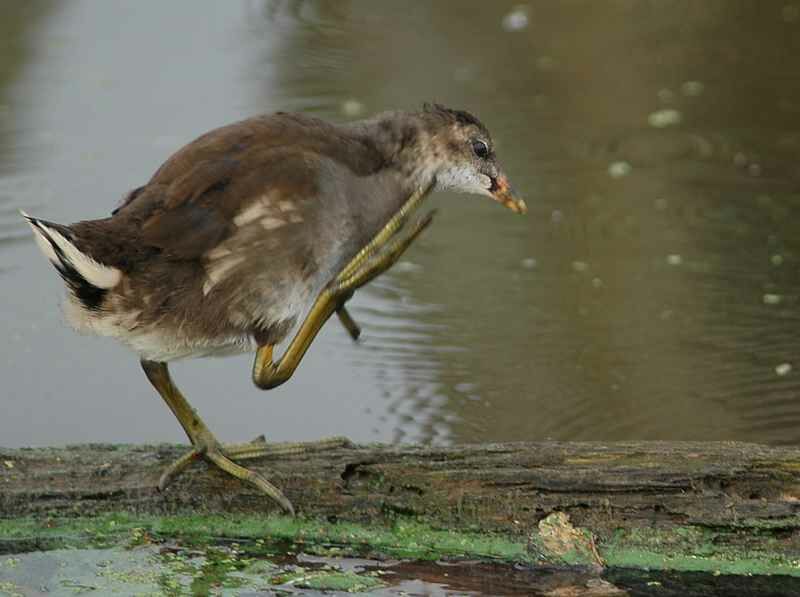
(745, 493)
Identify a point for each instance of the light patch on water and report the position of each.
(663, 118)
(619, 169)
(516, 19)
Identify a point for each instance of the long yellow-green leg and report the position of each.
(203, 441)
(387, 232)
(269, 374)
(379, 262)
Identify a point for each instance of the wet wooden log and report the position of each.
(487, 486)
(741, 495)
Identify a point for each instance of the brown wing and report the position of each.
(190, 205)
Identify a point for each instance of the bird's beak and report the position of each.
(502, 192)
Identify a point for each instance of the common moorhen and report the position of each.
(258, 229)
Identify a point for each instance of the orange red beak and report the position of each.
(503, 193)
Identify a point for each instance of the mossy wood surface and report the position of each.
(706, 506)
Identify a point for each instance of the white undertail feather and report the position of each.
(58, 250)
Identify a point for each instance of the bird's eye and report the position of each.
(480, 148)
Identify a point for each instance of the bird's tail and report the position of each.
(87, 278)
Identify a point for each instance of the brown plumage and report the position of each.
(229, 244)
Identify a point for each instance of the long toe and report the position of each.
(252, 477)
(176, 468)
(252, 449)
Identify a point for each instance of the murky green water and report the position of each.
(249, 570)
(652, 291)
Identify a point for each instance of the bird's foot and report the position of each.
(383, 257)
(222, 456)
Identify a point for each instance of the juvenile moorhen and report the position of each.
(257, 229)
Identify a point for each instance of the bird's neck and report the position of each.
(409, 146)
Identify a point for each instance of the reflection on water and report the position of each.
(651, 292)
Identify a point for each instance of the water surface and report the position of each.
(652, 292)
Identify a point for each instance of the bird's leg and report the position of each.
(391, 228)
(204, 443)
(378, 242)
(381, 261)
(269, 374)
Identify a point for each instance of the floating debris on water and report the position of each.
(663, 118)
(674, 259)
(783, 369)
(692, 88)
(772, 299)
(352, 107)
(517, 19)
(619, 169)
(580, 266)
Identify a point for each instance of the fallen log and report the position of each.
(710, 506)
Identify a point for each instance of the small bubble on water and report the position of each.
(597, 282)
(517, 19)
(776, 259)
(619, 169)
(580, 266)
(352, 107)
(529, 263)
(772, 299)
(663, 118)
(674, 259)
(783, 369)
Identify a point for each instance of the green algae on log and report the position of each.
(727, 507)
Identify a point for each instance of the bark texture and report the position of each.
(504, 487)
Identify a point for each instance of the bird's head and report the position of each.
(464, 155)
